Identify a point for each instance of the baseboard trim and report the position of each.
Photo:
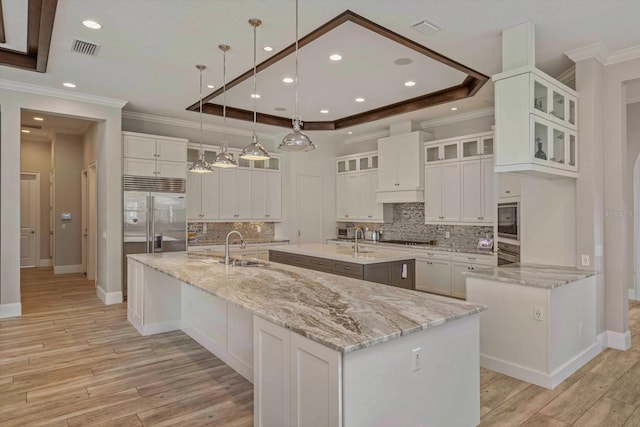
(46, 262)
(10, 310)
(108, 298)
(161, 327)
(67, 269)
(632, 294)
(618, 341)
(539, 378)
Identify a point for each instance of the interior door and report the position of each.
(310, 208)
(28, 220)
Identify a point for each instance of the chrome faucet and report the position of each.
(355, 247)
(227, 258)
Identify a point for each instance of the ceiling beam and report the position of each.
(3, 37)
(40, 18)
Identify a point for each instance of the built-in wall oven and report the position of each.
(508, 253)
(509, 220)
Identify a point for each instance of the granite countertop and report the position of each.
(236, 243)
(425, 246)
(537, 275)
(340, 253)
(341, 313)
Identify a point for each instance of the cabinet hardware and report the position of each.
(508, 191)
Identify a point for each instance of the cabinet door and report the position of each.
(433, 193)
(274, 201)
(171, 169)
(210, 194)
(508, 184)
(353, 199)
(376, 208)
(488, 200)
(194, 185)
(139, 147)
(387, 166)
(244, 194)
(423, 268)
(342, 197)
(228, 194)
(174, 151)
(451, 191)
(471, 191)
(440, 276)
(364, 196)
(139, 167)
(260, 196)
(458, 279)
(407, 156)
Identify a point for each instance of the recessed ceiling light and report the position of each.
(454, 108)
(324, 111)
(210, 86)
(25, 131)
(403, 61)
(350, 132)
(359, 99)
(255, 95)
(335, 57)
(91, 24)
(410, 83)
(268, 48)
(67, 84)
(287, 80)
(39, 119)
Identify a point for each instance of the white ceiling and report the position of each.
(14, 28)
(148, 48)
(44, 129)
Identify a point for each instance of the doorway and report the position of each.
(310, 208)
(29, 219)
(89, 222)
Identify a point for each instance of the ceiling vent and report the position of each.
(426, 27)
(84, 47)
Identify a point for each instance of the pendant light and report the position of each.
(254, 151)
(224, 159)
(296, 140)
(200, 165)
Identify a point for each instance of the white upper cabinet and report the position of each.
(536, 124)
(442, 193)
(508, 185)
(400, 171)
(171, 150)
(236, 194)
(478, 202)
(356, 185)
(267, 195)
(149, 155)
(368, 208)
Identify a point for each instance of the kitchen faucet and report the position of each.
(355, 247)
(227, 258)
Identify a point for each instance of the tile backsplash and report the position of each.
(214, 233)
(405, 221)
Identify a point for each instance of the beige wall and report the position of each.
(90, 141)
(633, 151)
(35, 156)
(68, 158)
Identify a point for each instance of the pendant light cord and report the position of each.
(201, 137)
(297, 116)
(224, 96)
(255, 94)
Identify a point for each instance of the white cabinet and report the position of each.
(149, 155)
(356, 185)
(235, 194)
(477, 190)
(461, 263)
(267, 195)
(442, 192)
(400, 173)
(508, 185)
(347, 197)
(443, 152)
(203, 198)
(536, 127)
(368, 209)
(433, 272)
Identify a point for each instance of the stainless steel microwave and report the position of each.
(509, 220)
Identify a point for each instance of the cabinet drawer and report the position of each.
(321, 264)
(474, 259)
(280, 257)
(299, 260)
(433, 254)
(348, 269)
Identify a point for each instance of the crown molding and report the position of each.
(59, 93)
(475, 114)
(367, 136)
(602, 55)
(132, 115)
(568, 76)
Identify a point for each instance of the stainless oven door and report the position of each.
(509, 221)
(507, 258)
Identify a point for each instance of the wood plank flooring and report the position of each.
(72, 361)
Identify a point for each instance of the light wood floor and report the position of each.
(70, 361)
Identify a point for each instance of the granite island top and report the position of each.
(341, 313)
(422, 246)
(341, 253)
(536, 275)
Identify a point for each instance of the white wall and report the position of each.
(13, 98)
(633, 151)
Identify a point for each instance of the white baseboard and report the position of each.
(10, 310)
(67, 269)
(539, 378)
(46, 262)
(632, 294)
(108, 298)
(618, 341)
(161, 327)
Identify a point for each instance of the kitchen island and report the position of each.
(541, 323)
(321, 349)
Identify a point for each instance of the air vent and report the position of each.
(84, 47)
(426, 27)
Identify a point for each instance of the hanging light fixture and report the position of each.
(224, 159)
(254, 151)
(200, 165)
(296, 140)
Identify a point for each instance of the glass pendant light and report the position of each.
(224, 159)
(200, 165)
(296, 140)
(254, 151)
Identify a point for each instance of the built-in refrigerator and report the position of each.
(155, 218)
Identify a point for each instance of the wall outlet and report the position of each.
(447, 234)
(586, 261)
(416, 355)
(538, 314)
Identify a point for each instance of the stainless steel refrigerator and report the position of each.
(153, 221)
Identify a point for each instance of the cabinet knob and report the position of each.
(370, 216)
(508, 191)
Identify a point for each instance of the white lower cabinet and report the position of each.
(459, 288)
(433, 273)
(296, 381)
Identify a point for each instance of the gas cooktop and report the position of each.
(409, 242)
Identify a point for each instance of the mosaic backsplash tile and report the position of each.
(214, 233)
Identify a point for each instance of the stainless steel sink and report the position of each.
(246, 262)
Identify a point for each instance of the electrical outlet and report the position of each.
(417, 363)
(586, 261)
(537, 314)
(447, 234)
